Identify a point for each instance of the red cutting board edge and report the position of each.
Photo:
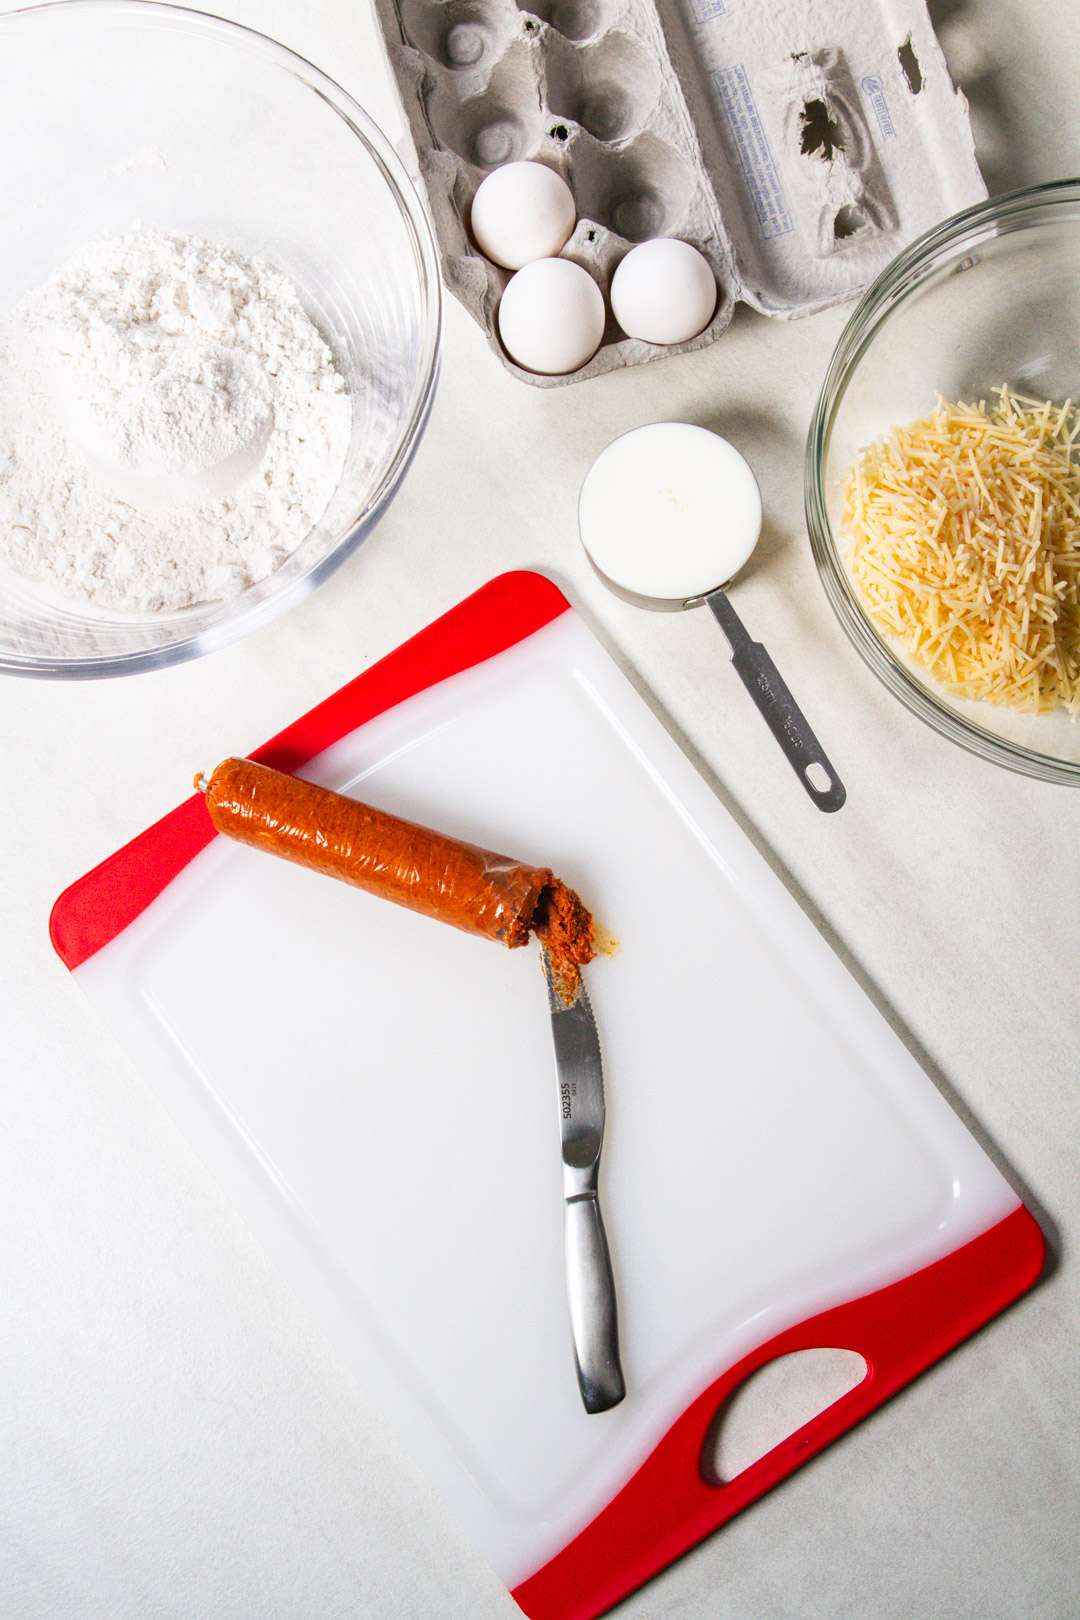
(667, 1506)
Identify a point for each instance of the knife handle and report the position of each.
(593, 1315)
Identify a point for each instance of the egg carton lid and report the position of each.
(800, 144)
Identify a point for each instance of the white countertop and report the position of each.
(178, 1439)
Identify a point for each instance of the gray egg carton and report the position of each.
(798, 143)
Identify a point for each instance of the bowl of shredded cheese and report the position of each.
(943, 480)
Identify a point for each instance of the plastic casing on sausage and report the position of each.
(473, 889)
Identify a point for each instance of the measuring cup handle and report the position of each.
(788, 725)
(778, 708)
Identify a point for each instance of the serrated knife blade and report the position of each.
(590, 1284)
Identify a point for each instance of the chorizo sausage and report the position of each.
(457, 883)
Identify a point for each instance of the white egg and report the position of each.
(521, 212)
(551, 317)
(664, 291)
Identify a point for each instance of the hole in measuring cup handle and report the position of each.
(824, 786)
(818, 776)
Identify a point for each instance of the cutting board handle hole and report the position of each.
(775, 1401)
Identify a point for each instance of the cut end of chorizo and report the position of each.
(565, 928)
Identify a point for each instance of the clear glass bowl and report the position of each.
(991, 296)
(113, 111)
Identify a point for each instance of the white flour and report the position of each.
(172, 424)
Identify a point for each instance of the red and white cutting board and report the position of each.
(378, 1094)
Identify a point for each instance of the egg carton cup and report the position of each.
(798, 144)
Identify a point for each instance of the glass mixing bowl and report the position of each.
(991, 296)
(113, 111)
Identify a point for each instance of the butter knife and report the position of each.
(590, 1284)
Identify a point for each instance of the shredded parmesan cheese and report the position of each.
(965, 531)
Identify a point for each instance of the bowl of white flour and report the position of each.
(219, 333)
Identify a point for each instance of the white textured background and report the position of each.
(175, 1438)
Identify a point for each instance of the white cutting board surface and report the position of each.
(378, 1092)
